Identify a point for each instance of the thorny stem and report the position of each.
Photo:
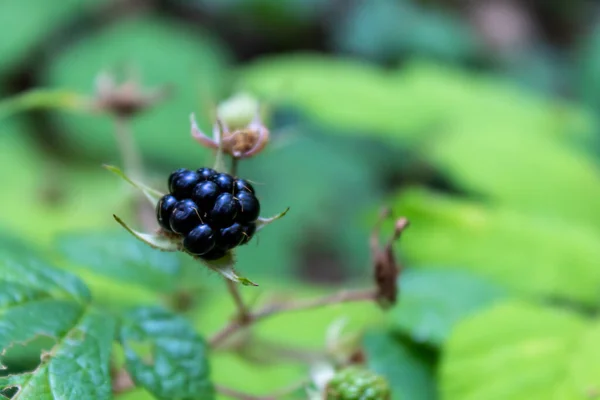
(130, 156)
(343, 296)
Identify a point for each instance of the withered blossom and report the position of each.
(237, 138)
(127, 98)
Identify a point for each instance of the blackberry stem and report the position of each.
(344, 296)
(130, 156)
(235, 394)
(242, 310)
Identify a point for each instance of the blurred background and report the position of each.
(478, 120)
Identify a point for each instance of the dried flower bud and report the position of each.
(238, 130)
(125, 99)
(385, 268)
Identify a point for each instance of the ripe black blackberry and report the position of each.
(214, 212)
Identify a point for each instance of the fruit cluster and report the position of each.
(214, 212)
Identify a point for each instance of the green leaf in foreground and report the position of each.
(77, 363)
(407, 371)
(433, 300)
(165, 355)
(120, 256)
(27, 278)
(37, 299)
(530, 254)
(522, 352)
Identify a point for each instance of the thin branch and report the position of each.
(344, 296)
(278, 394)
(234, 394)
(130, 156)
(242, 311)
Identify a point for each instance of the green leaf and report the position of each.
(39, 300)
(522, 352)
(33, 213)
(588, 78)
(417, 103)
(120, 256)
(195, 71)
(432, 301)
(77, 363)
(407, 371)
(558, 258)
(165, 355)
(506, 164)
(26, 23)
(42, 99)
(27, 278)
(387, 30)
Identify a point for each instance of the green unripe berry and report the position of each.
(356, 383)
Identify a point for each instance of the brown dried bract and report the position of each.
(385, 267)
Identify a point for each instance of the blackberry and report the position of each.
(205, 194)
(200, 240)
(174, 174)
(242, 185)
(249, 231)
(249, 207)
(224, 181)
(185, 217)
(214, 254)
(164, 209)
(183, 184)
(225, 210)
(206, 173)
(214, 212)
(231, 236)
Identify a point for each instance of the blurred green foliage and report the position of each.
(491, 151)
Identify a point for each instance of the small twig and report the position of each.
(278, 394)
(121, 381)
(242, 311)
(343, 296)
(274, 309)
(130, 156)
(234, 394)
